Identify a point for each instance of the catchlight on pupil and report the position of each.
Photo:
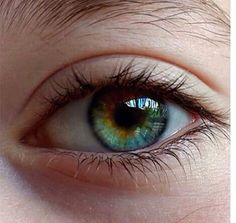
(125, 120)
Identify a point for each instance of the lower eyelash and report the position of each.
(143, 161)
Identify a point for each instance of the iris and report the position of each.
(127, 120)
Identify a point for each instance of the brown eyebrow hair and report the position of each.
(171, 16)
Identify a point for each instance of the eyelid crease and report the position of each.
(196, 73)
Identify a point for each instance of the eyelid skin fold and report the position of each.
(130, 170)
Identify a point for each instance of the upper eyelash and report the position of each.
(213, 122)
(173, 90)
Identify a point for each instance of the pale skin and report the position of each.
(31, 191)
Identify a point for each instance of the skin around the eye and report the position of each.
(38, 187)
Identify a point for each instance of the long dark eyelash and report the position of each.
(213, 123)
(173, 90)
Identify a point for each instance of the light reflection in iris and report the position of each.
(143, 103)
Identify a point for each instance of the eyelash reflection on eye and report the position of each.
(210, 122)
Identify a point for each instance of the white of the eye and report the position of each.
(178, 118)
(69, 128)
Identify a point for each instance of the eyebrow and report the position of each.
(172, 16)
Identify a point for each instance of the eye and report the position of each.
(113, 115)
(127, 106)
(113, 119)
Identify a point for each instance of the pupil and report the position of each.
(128, 117)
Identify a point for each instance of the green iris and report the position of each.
(126, 120)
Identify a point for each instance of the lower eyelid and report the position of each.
(89, 175)
(116, 174)
(143, 178)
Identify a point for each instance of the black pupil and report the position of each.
(128, 117)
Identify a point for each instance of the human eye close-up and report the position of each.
(114, 111)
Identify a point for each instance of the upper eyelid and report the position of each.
(182, 73)
(159, 16)
(198, 74)
(123, 77)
